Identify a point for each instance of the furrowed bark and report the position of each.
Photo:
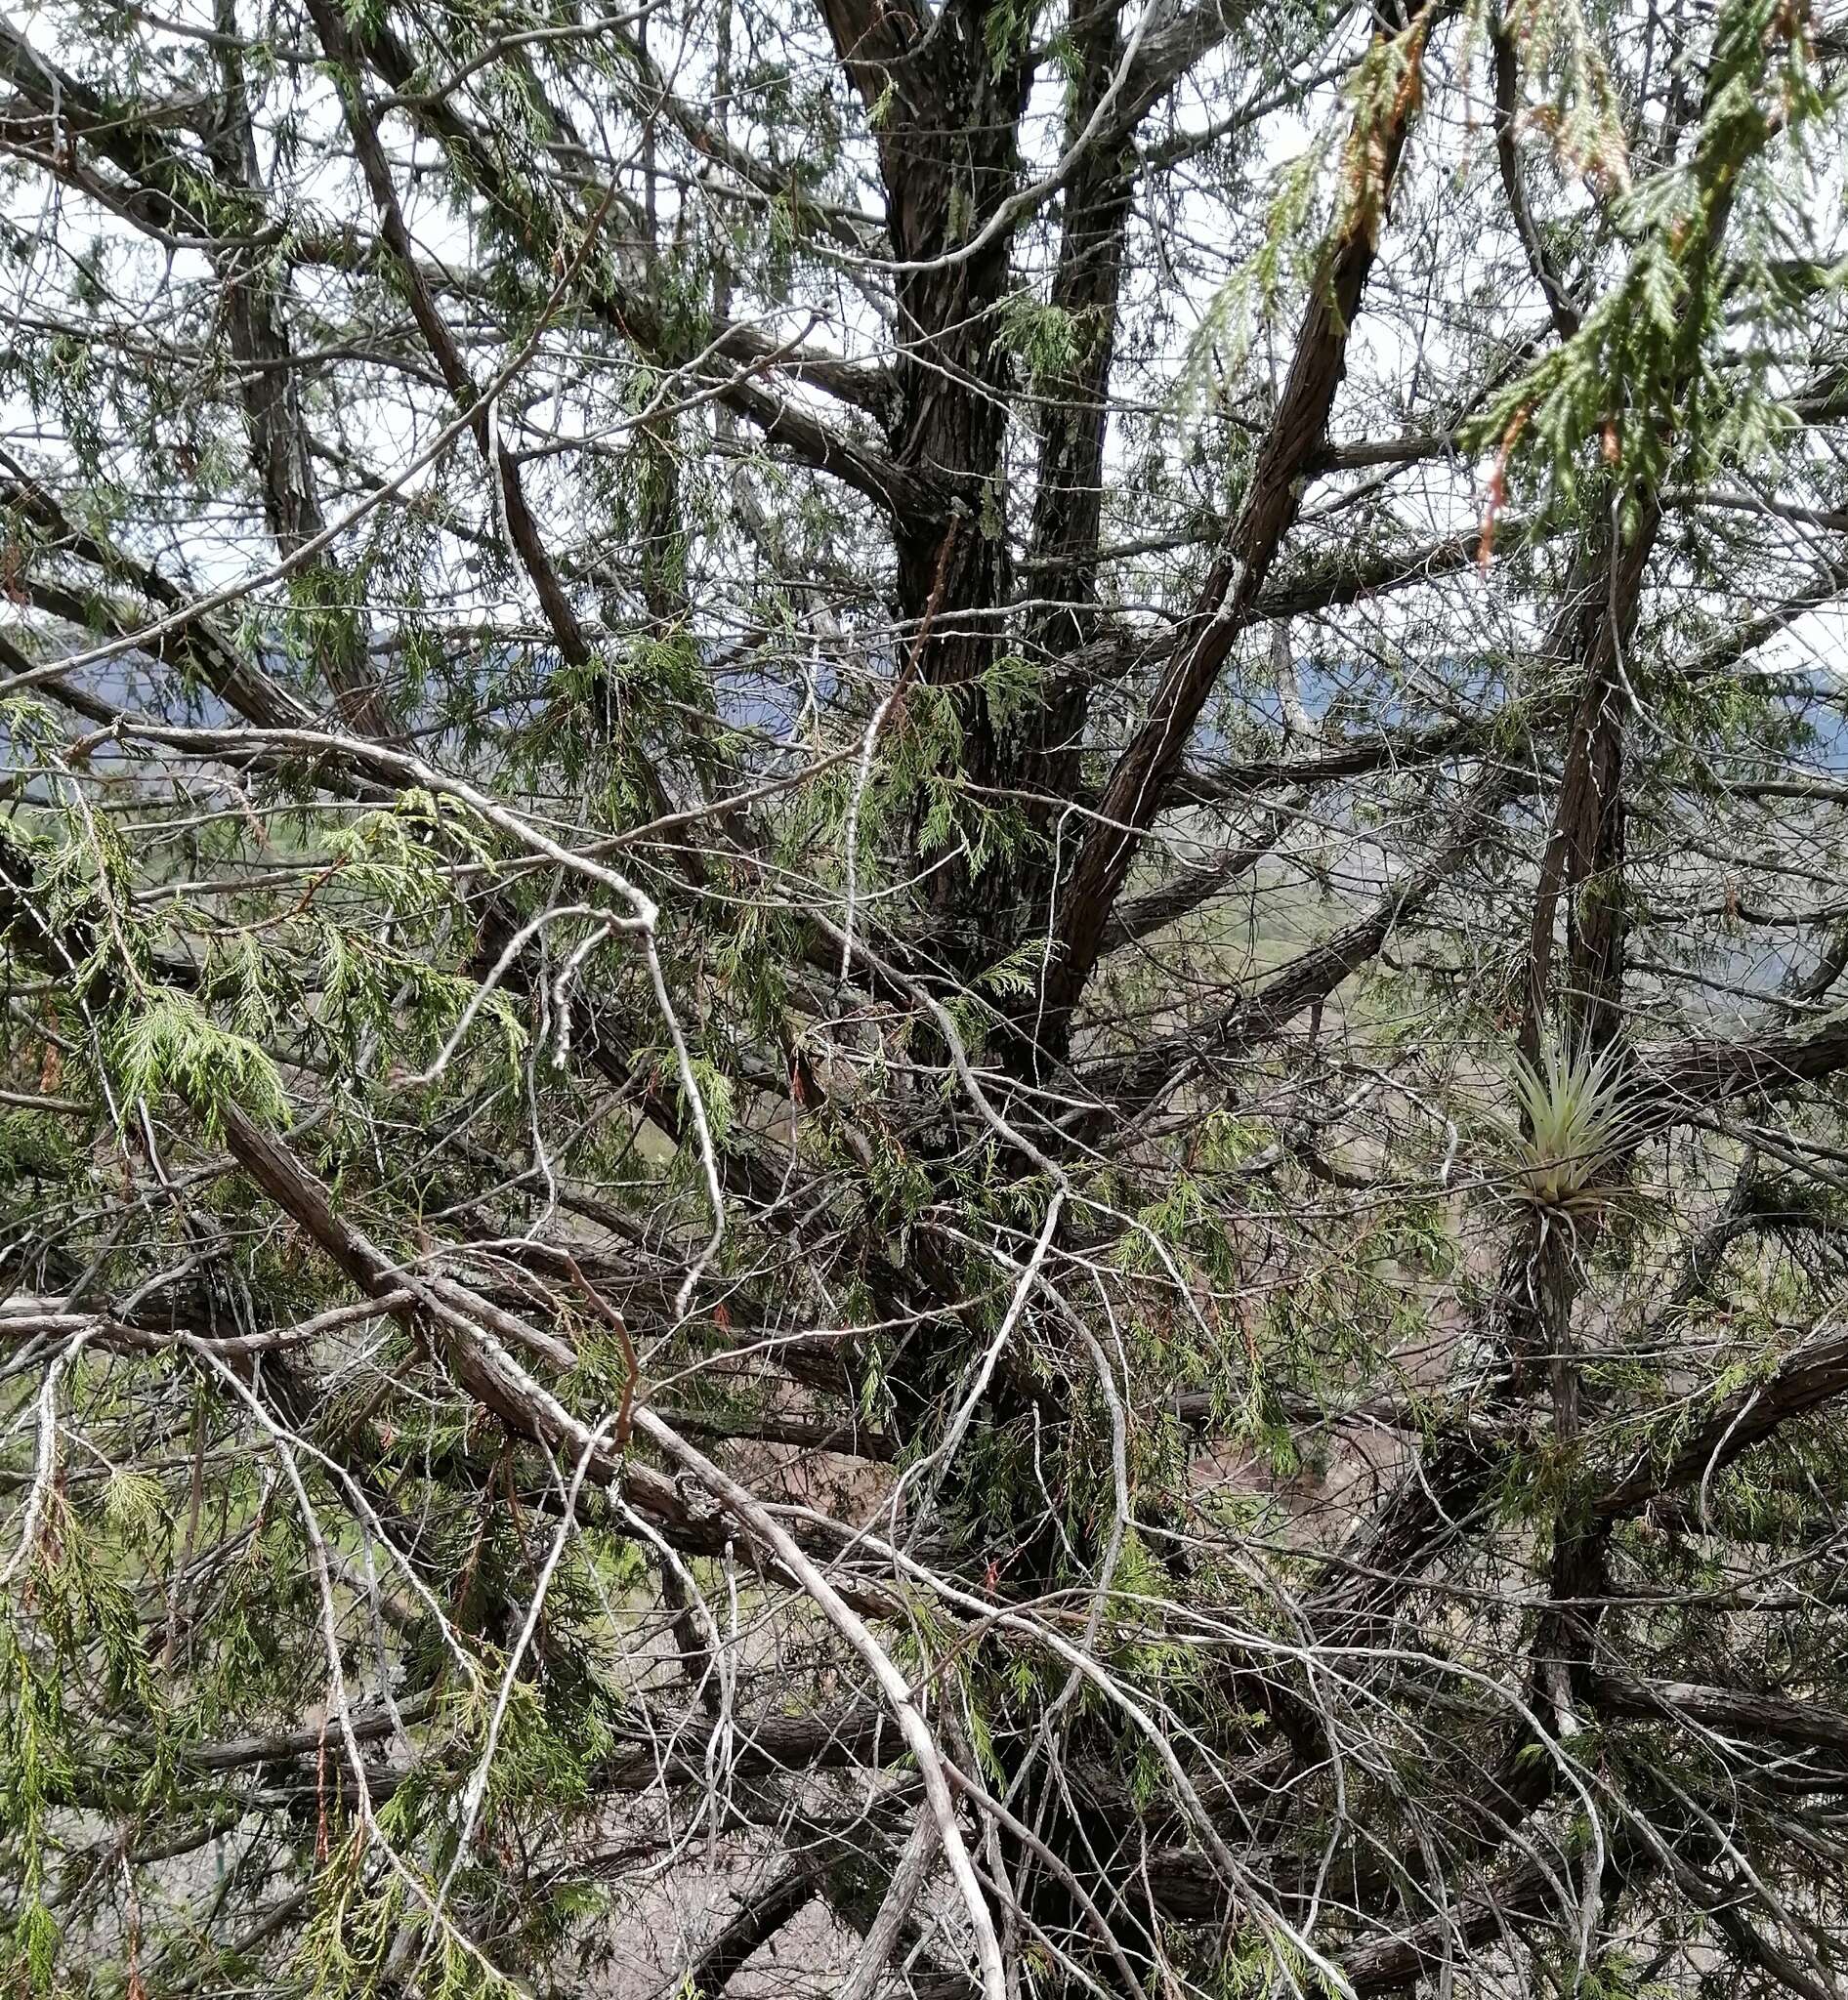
(1064, 549)
(1138, 786)
(271, 390)
(946, 110)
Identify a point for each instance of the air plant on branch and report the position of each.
(1576, 1122)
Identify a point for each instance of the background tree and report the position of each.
(923, 1048)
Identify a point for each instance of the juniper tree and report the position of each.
(924, 1031)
